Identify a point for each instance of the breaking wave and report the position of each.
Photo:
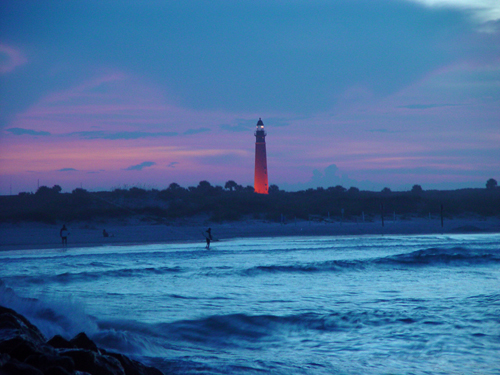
(429, 257)
(69, 277)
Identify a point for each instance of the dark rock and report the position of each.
(20, 348)
(12, 321)
(56, 370)
(44, 362)
(83, 359)
(15, 367)
(4, 358)
(132, 367)
(24, 351)
(94, 363)
(60, 342)
(18, 337)
(82, 341)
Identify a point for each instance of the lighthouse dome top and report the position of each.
(260, 123)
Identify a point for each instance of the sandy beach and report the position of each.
(134, 231)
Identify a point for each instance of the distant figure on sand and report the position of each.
(104, 233)
(64, 235)
(208, 237)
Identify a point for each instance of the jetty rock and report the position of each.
(25, 351)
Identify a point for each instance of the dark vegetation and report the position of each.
(235, 202)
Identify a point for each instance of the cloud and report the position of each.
(483, 10)
(67, 170)
(122, 135)
(330, 177)
(96, 172)
(224, 158)
(196, 131)
(425, 106)
(235, 128)
(10, 58)
(21, 131)
(139, 167)
(382, 130)
(300, 51)
(173, 164)
(245, 125)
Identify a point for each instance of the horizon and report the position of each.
(363, 94)
(186, 187)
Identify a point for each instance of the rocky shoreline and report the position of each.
(25, 351)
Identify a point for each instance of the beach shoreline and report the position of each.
(32, 236)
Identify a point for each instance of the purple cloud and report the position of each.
(67, 170)
(21, 131)
(10, 58)
(140, 167)
(122, 135)
(196, 131)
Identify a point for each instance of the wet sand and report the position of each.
(134, 231)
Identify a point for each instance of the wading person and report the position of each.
(208, 237)
(64, 235)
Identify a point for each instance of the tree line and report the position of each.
(235, 202)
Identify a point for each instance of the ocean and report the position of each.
(427, 304)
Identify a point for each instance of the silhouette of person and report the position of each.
(104, 233)
(209, 237)
(64, 235)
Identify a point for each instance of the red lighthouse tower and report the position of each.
(260, 181)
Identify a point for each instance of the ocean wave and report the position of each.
(439, 256)
(332, 265)
(53, 316)
(242, 329)
(427, 257)
(69, 277)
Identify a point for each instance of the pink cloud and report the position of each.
(11, 58)
(366, 137)
(117, 102)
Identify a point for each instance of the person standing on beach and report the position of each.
(64, 234)
(208, 237)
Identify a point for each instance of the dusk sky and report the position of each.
(366, 93)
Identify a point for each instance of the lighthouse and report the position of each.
(260, 181)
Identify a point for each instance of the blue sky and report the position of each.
(102, 94)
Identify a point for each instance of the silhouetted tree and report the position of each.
(56, 189)
(136, 192)
(44, 191)
(221, 205)
(79, 191)
(491, 184)
(386, 190)
(174, 186)
(339, 189)
(81, 197)
(230, 185)
(417, 189)
(353, 189)
(204, 185)
(174, 190)
(273, 189)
